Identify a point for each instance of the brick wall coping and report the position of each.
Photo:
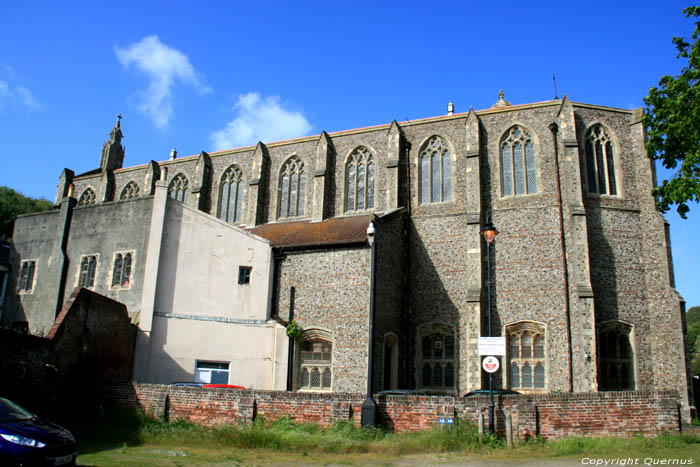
(340, 396)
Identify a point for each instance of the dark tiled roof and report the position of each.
(335, 231)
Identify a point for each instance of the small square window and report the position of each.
(244, 274)
(211, 372)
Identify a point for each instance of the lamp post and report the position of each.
(369, 406)
(489, 232)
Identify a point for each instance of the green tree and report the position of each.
(692, 321)
(672, 115)
(13, 203)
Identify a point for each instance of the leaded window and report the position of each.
(437, 363)
(179, 188)
(230, 205)
(88, 267)
(600, 162)
(359, 180)
(87, 198)
(616, 370)
(131, 190)
(526, 368)
(315, 370)
(435, 171)
(518, 174)
(291, 188)
(121, 274)
(26, 276)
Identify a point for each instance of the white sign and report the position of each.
(492, 346)
(490, 364)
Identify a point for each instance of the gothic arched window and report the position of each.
(600, 162)
(291, 188)
(88, 268)
(526, 356)
(359, 180)
(121, 274)
(518, 174)
(435, 171)
(131, 190)
(316, 364)
(437, 358)
(231, 198)
(87, 198)
(615, 357)
(179, 188)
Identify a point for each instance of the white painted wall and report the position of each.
(200, 312)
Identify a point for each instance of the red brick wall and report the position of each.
(552, 415)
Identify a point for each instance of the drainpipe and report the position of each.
(369, 406)
(290, 355)
(554, 128)
(407, 272)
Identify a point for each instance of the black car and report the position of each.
(496, 392)
(26, 440)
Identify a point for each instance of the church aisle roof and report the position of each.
(336, 231)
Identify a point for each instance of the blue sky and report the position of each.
(220, 74)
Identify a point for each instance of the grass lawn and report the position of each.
(123, 437)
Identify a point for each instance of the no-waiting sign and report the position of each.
(490, 364)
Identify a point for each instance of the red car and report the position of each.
(229, 386)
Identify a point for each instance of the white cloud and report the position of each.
(259, 120)
(17, 95)
(164, 67)
(27, 99)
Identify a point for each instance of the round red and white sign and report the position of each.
(490, 364)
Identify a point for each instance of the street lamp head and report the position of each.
(489, 232)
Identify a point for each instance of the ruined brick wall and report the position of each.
(552, 416)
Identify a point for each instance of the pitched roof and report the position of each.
(335, 231)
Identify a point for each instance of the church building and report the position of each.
(376, 234)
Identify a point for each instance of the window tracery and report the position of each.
(231, 198)
(179, 188)
(315, 364)
(435, 171)
(87, 198)
(600, 162)
(518, 173)
(292, 185)
(121, 274)
(131, 190)
(359, 180)
(526, 356)
(88, 268)
(437, 358)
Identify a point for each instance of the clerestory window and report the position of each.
(435, 171)
(179, 188)
(359, 180)
(121, 274)
(131, 190)
(518, 173)
(292, 184)
(600, 162)
(231, 198)
(526, 356)
(87, 198)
